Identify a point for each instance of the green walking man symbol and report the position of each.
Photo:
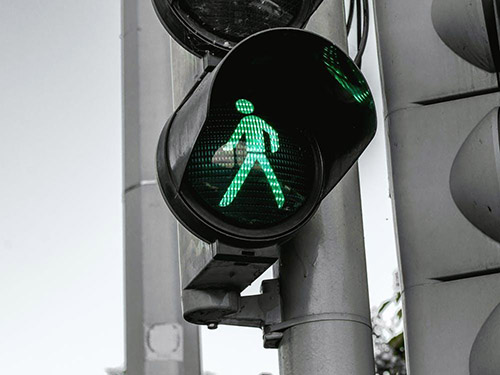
(253, 128)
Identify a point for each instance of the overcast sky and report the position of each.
(61, 250)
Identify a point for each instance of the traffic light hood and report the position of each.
(216, 26)
(248, 156)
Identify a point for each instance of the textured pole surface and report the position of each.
(441, 91)
(158, 341)
(323, 270)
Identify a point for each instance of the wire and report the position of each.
(362, 25)
(358, 22)
(350, 16)
(364, 37)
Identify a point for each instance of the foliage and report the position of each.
(388, 338)
(115, 371)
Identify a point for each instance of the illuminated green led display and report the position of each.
(247, 171)
(357, 88)
(253, 128)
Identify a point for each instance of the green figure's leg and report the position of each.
(238, 180)
(271, 177)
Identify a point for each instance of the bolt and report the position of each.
(212, 325)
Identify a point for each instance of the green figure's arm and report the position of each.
(273, 135)
(235, 138)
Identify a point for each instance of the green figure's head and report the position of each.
(244, 106)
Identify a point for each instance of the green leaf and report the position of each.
(397, 342)
(384, 306)
(398, 296)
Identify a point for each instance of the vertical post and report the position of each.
(322, 270)
(158, 341)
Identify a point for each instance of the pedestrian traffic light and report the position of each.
(257, 144)
(216, 26)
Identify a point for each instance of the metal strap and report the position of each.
(317, 318)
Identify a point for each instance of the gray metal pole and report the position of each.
(158, 341)
(323, 270)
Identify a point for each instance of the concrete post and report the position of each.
(158, 341)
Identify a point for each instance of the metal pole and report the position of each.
(323, 270)
(158, 341)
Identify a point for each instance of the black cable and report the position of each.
(364, 37)
(350, 16)
(358, 21)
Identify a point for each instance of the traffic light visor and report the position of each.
(216, 26)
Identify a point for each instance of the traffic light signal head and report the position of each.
(216, 26)
(261, 140)
(470, 29)
(475, 176)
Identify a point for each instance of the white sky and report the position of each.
(61, 251)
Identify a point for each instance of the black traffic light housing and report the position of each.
(216, 26)
(303, 86)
